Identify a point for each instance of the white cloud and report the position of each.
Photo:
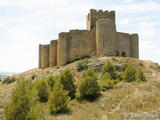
(128, 1)
(148, 6)
(147, 29)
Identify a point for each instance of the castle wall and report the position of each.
(99, 39)
(105, 38)
(40, 55)
(123, 43)
(95, 15)
(134, 45)
(81, 44)
(53, 53)
(62, 50)
(45, 56)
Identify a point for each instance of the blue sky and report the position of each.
(26, 23)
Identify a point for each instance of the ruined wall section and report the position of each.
(123, 44)
(105, 38)
(134, 45)
(45, 56)
(95, 15)
(62, 49)
(81, 44)
(53, 53)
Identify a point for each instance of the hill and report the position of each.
(114, 104)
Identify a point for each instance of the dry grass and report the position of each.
(113, 104)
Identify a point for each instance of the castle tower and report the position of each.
(105, 37)
(134, 45)
(95, 15)
(62, 51)
(53, 53)
(45, 56)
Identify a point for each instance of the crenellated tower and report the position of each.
(95, 15)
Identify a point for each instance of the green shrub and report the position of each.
(106, 82)
(67, 80)
(42, 91)
(82, 64)
(123, 67)
(158, 85)
(23, 103)
(110, 68)
(33, 77)
(51, 81)
(158, 66)
(58, 100)
(129, 74)
(9, 80)
(89, 88)
(140, 76)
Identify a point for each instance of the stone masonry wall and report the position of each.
(45, 56)
(134, 45)
(105, 38)
(81, 44)
(123, 43)
(53, 53)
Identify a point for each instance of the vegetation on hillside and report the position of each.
(23, 103)
(59, 91)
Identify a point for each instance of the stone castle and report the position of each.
(99, 39)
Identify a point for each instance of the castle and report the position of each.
(99, 39)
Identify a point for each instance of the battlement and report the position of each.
(95, 12)
(95, 15)
(54, 42)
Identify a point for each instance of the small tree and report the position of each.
(51, 81)
(89, 88)
(58, 100)
(110, 68)
(129, 74)
(22, 103)
(106, 82)
(67, 80)
(82, 64)
(42, 90)
(140, 76)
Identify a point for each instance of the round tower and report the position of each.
(105, 37)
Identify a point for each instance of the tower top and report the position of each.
(95, 15)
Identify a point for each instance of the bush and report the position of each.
(158, 85)
(89, 88)
(129, 74)
(106, 82)
(58, 100)
(67, 80)
(9, 80)
(33, 77)
(42, 91)
(51, 81)
(140, 76)
(22, 104)
(110, 68)
(82, 64)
